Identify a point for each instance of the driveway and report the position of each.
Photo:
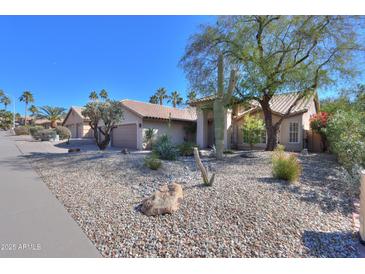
(33, 223)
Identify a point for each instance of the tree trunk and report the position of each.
(271, 130)
(53, 124)
(219, 111)
(25, 114)
(104, 144)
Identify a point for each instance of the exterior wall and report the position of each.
(176, 131)
(71, 123)
(130, 117)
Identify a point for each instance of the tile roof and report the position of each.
(147, 110)
(279, 103)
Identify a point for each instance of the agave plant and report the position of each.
(52, 113)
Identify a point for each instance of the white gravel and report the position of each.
(246, 213)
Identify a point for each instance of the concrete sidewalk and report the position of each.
(32, 221)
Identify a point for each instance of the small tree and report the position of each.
(318, 123)
(252, 130)
(104, 116)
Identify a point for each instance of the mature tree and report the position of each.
(103, 94)
(161, 94)
(6, 119)
(5, 100)
(27, 97)
(34, 110)
(175, 99)
(93, 96)
(104, 116)
(53, 114)
(191, 96)
(274, 54)
(154, 99)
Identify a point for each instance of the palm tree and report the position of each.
(175, 99)
(33, 109)
(6, 101)
(103, 94)
(93, 96)
(154, 99)
(52, 113)
(161, 94)
(2, 93)
(27, 97)
(191, 96)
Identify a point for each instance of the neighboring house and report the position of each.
(77, 123)
(294, 132)
(45, 122)
(138, 116)
(179, 124)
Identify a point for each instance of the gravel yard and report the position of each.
(246, 213)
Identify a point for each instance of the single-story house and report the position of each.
(140, 116)
(179, 124)
(294, 132)
(77, 123)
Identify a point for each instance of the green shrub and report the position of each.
(286, 166)
(280, 147)
(152, 162)
(6, 119)
(187, 148)
(63, 132)
(34, 131)
(228, 151)
(22, 130)
(47, 134)
(165, 149)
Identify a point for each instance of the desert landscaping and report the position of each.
(245, 213)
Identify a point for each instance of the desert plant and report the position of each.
(187, 148)
(52, 113)
(47, 134)
(152, 162)
(345, 132)
(280, 147)
(34, 131)
(203, 170)
(22, 130)
(6, 119)
(318, 123)
(149, 134)
(165, 149)
(63, 132)
(286, 166)
(252, 130)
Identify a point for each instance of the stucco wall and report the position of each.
(176, 131)
(130, 117)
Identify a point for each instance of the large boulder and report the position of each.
(166, 200)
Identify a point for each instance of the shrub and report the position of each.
(152, 162)
(34, 131)
(22, 130)
(252, 130)
(63, 132)
(47, 134)
(280, 147)
(6, 119)
(187, 149)
(286, 167)
(346, 135)
(165, 149)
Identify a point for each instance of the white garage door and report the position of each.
(125, 136)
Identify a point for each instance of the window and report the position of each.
(293, 133)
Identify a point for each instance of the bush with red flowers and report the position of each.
(318, 123)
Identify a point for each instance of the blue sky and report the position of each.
(62, 58)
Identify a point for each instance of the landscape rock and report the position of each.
(166, 200)
(71, 150)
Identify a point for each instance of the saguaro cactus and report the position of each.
(219, 107)
(203, 170)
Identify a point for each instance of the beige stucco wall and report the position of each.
(176, 131)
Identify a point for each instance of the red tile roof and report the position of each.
(147, 110)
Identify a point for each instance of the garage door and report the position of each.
(125, 136)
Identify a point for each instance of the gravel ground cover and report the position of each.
(246, 213)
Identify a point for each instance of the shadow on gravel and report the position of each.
(330, 244)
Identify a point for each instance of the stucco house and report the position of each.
(140, 116)
(179, 124)
(77, 123)
(294, 132)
